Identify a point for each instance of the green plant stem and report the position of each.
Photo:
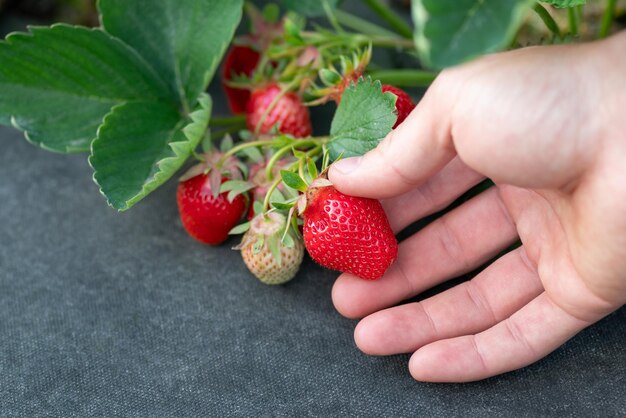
(607, 19)
(404, 78)
(330, 15)
(272, 161)
(234, 150)
(310, 153)
(361, 25)
(228, 120)
(387, 42)
(572, 19)
(392, 19)
(347, 39)
(548, 20)
(317, 141)
(222, 132)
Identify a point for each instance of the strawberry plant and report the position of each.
(132, 94)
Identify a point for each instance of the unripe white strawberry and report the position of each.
(270, 257)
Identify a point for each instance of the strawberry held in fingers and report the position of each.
(347, 233)
(270, 107)
(404, 103)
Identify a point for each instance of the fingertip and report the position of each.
(418, 366)
(344, 175)
(362, 337)
(371, 335)
(343, 297)
(453, 360)
(346, 166)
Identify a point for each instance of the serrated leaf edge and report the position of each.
(193, 132)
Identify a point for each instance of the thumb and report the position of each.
(409, 154)
(528, 117)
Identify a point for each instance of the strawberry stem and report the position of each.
(404, 78)
(392, 19)
(284, 150)
(607, 19)
(234, 150)
(228, 120)
(547, 19)
(330, 15)
(573, 20)
(361, 25)
(313, 151)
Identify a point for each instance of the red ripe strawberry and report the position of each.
(207, 217)
(347, 233)
(289, 114)
(404, 103)
(240, 60)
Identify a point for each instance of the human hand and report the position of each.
(546, 124)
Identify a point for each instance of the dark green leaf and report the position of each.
(293, 180)
(58, 83)
(141, 145)
(565, 3)
(448, 32)
(309, 8)
(183, 41)
(364, 116)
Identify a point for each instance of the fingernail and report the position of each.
(348, 165)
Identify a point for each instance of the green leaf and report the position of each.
(277, 196)
(564, 3)
(287, 239)
(235, 188)
(364, 116)
(309, 8)
(257, 207)
(448, 32)
(330, 77)
(273, 244)
(58, 83)
(282, 206)
(141, 145)
(239, 229)
(293, 180)
(239, 186)
(312, 169)
(183, 41)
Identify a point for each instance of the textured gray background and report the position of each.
(108, 314)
